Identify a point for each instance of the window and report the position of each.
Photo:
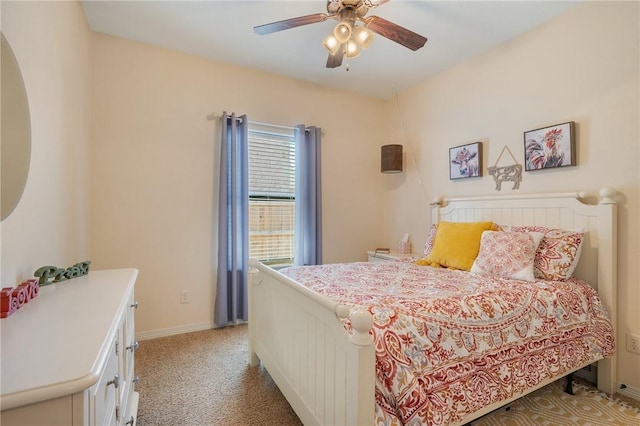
(271, 193)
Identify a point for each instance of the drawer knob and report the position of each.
(134, 305)
(134, 346)
(131, 421)
(115, 382)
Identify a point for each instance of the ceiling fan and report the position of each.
(348, 38)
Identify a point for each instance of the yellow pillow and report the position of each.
(457, 244)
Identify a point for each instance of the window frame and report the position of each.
(258, 131)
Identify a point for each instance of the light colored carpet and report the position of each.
(203, 378)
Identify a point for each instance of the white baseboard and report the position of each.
(630, 392)
(154, 334)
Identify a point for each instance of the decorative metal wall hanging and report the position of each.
(512, 173)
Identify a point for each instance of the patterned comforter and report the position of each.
(449, 343)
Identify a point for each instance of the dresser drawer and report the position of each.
(130, 345)
(129, 321)
(55, 412)
(105, 393)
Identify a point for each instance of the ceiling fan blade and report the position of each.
(334, 61)
(395, 32)
(290, 23)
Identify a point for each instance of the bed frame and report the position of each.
(328, 375)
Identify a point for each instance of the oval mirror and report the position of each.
(15, 134)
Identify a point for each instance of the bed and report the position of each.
(312, 328)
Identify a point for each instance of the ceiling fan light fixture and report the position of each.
(354, 30)
(363, 36)
(352, 49)
(342, 32)
(331, 44)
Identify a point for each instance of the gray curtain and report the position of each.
(233, 222)
(308, 219)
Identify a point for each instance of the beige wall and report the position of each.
(155, 169)
(582, 67)
(52, 44)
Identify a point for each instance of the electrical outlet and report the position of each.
(633, 343)
(184, 296)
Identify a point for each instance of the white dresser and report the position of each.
(68, 354)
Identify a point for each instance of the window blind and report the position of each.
(271, 165)
(271, 194)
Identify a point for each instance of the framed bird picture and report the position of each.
(550, 147)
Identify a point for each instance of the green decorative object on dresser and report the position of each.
(52, 274)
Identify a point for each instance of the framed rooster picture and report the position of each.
(550, 147)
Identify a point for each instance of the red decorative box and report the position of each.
(12, 299)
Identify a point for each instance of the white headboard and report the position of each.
(598, 261)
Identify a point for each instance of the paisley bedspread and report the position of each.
(449, 343)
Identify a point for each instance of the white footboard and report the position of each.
(326, 374)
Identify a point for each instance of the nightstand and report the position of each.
(394, 255)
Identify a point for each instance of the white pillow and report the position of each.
(507, 254)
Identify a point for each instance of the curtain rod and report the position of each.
(213, 116)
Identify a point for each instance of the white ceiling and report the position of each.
(223, 31)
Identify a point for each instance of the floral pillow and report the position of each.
(558, 253)
(431, 237)
(507, 254)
